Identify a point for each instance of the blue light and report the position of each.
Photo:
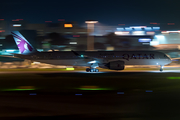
(159, 36)
(149, 91)
(32, 94)
(144, 40)
(156, 28)
(120, 92)
(148, 28)
(137, 28)
(120, 28)
(78, 94)
(127, 28)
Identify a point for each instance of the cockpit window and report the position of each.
(165, 56)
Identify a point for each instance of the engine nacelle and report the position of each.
(115, 65)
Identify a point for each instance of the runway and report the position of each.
(128, 94)
(83, 71)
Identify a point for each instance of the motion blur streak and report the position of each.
(173, 77)
(93, 88)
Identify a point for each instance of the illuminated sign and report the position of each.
(148, 28)
(138, 33)
(68, 25)
(138, 27)
(150, 33)
(121, 33)
(144, 40)
(120, 28)
(72, 42)
(17, 25)
(91, 22)
(156, 28)
(127, 28)
(170, 32)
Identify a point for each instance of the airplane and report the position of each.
(114, 60)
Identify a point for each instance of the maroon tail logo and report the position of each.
(21, 43)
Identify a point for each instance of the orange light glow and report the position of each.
(68, 25)
(150, 33)
(2, 30)
(171, 23)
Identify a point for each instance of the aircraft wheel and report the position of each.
(96, 70)
(91, 70)
(87, 70)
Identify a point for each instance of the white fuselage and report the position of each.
(129, 57)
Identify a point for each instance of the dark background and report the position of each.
(105, 11)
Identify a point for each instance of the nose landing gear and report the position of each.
(161, 68)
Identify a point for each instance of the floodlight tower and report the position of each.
(90, 29)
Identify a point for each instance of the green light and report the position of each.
(94, 88)
(16, 89)
(82, 55)
(69, 68)
(173, 77)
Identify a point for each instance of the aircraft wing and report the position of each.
(8, 56)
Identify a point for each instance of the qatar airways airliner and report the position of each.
(114, 60)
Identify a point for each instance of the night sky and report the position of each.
(110, 12)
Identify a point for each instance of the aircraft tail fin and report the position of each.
(23, 45)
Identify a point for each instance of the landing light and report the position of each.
(93, 61)
(10, 50)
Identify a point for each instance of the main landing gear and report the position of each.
(161, 68)
(91, 70)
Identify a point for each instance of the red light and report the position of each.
(61, 19)
(15, 20)
(76, 35)
(154, 23)
(2, 30)
(171, 23)
(48, 21)
(1, 19)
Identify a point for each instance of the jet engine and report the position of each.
(115, 65)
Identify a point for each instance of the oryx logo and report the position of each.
(22, 44)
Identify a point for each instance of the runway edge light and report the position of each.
(69, 68)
